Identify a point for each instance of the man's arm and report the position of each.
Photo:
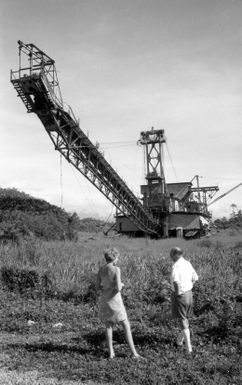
(176, 288)
(175, 280)
(194, 276)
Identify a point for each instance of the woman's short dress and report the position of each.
(112, 310)
(111, 307)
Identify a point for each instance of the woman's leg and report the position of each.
(129, 338)
(109, 335)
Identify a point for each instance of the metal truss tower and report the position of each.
(155, 192)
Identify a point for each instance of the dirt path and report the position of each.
(31, 378)
(15, 377)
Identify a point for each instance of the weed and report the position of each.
(54, 282)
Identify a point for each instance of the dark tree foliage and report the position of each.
(13, 193)
(235, 221)
(22, 215)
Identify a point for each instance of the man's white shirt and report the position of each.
(184, 275)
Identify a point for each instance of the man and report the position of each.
(183, 277)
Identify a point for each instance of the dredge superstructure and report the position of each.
(166, 209)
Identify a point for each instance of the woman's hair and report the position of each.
(111, 254)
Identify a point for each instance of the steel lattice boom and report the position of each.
(37, 85)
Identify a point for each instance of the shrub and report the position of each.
(19, 280)
(27, 281)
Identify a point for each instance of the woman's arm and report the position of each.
(118, 282)
(98, 282)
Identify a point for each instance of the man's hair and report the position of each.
(110, 254)
(176, 252)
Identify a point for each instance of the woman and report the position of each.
(111, 307)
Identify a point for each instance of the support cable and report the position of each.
(219, 177)
(144, 164)
(88, 196)
(61, 183)
(173, 168)
(106, 221)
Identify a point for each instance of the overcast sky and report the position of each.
(125, 66)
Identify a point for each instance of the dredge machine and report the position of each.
(167, 209)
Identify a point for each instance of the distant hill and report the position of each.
(22, 215)
(93, 225)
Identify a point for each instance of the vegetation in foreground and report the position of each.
(53, 282)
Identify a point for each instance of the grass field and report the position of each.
(50, 283)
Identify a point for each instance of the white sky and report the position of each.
(125, 66)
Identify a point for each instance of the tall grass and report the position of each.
(145, 264)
